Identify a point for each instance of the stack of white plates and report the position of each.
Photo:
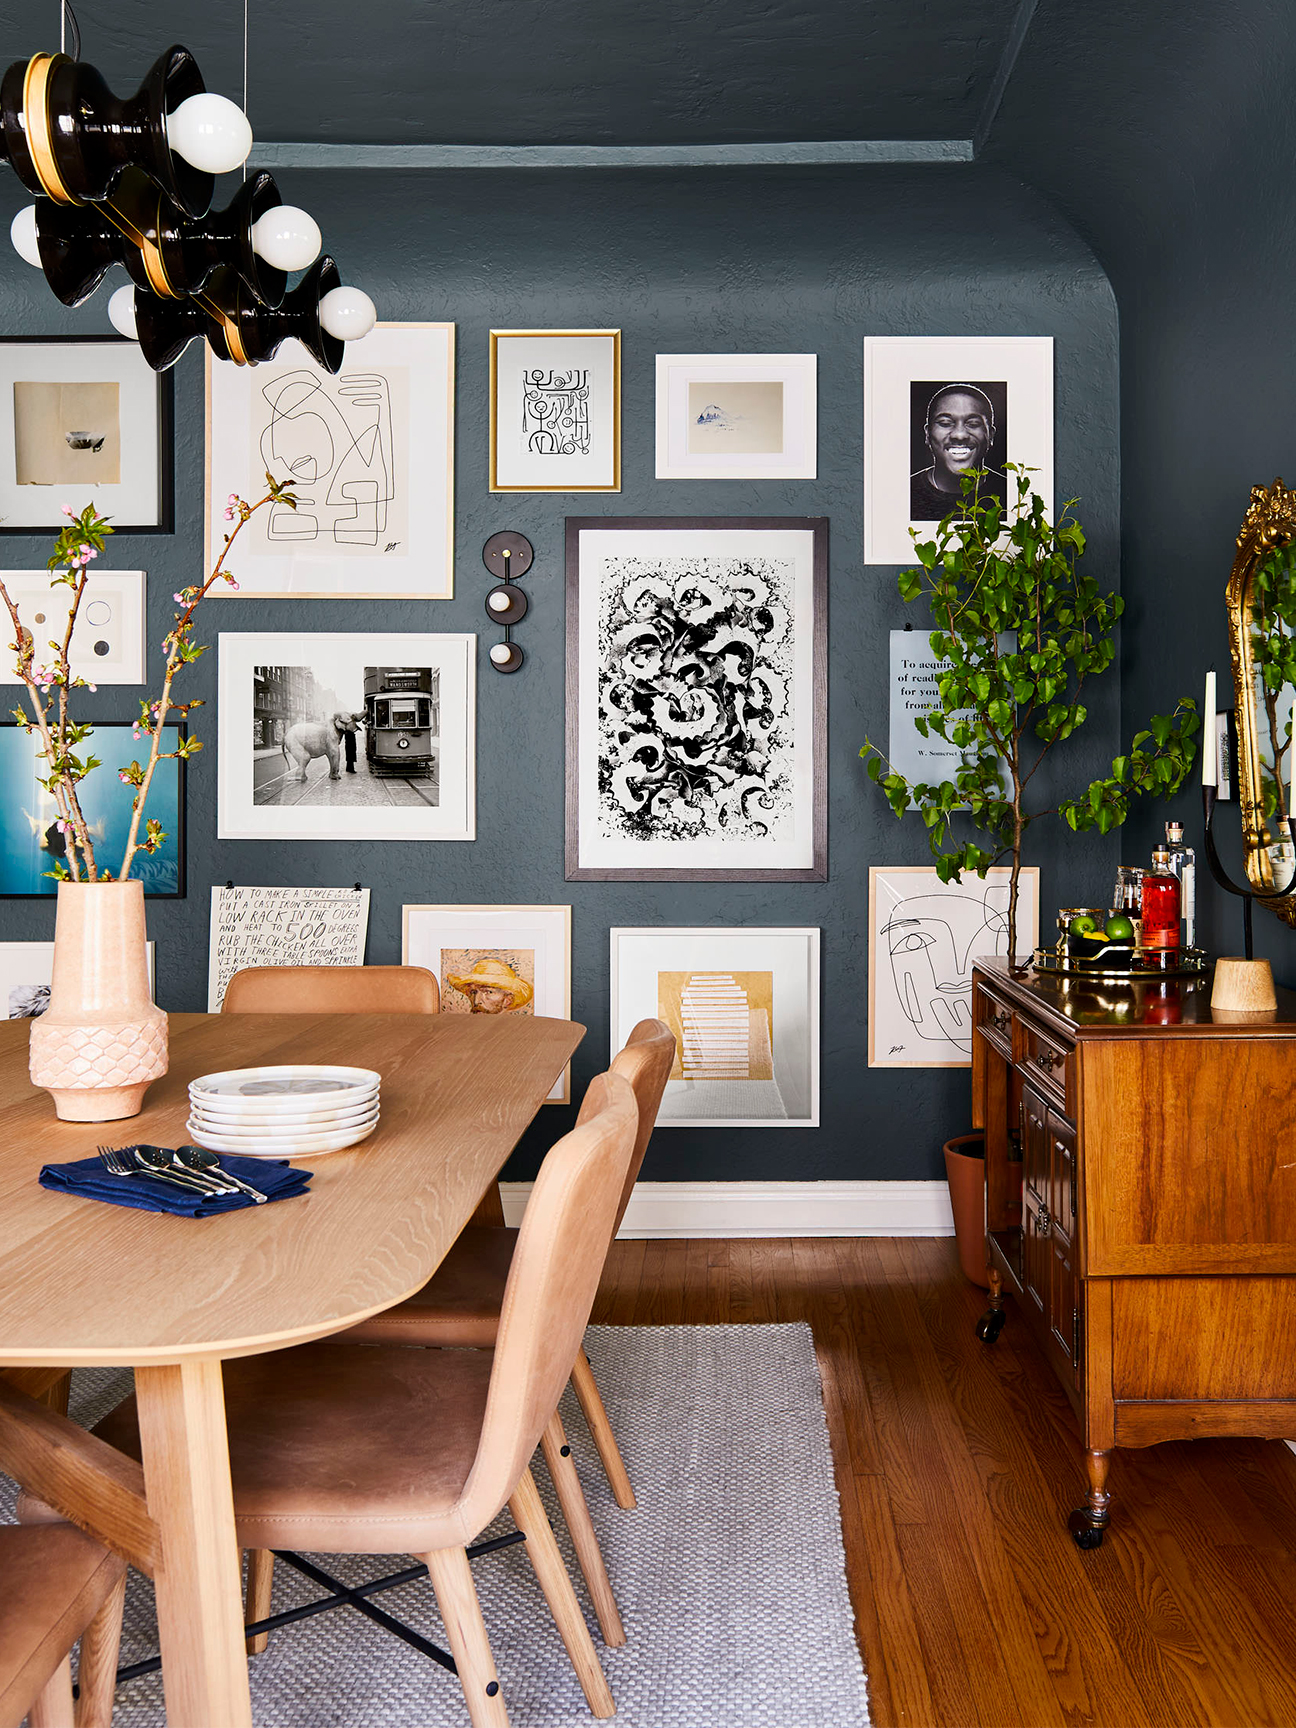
(283, 1112)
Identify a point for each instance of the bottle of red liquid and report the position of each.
(1160, 903)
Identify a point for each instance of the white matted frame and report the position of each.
(122, 412)
(26, 969)
(370, 456)
(737, 416)
(108, 643)
(924, 935)
(504, 946)
(744, 1006)
(697, 699)
(902, 377)
(555, 410)
(256, 799)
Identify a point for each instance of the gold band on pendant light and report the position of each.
(233, 340)
(36, 122)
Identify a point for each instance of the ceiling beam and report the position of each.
(834, 153)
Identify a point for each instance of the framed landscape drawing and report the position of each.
(935, 406)
(696, 698)
(555, 410)
(924, 935)
(369, 453)
(30, 842)
(744, 1007)
(736, 416)
(84, 420)
(496, 960)
(347, 737)
(26, 969)
(108, 642)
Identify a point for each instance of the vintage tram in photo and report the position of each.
(402, 719)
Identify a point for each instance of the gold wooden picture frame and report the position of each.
(555, 410)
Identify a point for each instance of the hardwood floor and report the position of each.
(957, 1464)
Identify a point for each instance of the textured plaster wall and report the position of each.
(794, 261)
(1166, 133)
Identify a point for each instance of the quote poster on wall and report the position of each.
(283, 927)
(915, 692)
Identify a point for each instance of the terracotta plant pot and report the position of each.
(101, 1040)
(965, 1170)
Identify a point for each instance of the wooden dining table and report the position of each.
(82, 1283)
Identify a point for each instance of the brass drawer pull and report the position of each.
(1049, 1060)
(1000, 1022)
(1043, 1221)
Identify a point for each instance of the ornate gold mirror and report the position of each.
(1261, 600)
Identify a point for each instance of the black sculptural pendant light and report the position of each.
(130, 181)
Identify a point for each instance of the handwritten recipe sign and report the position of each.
(283, 927)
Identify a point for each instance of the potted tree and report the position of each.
(1023, 630)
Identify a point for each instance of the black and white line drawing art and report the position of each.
(695, 698)
(925, 937)
(334, 440)
(556, 411)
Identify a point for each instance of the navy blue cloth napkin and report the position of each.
(88, 1178)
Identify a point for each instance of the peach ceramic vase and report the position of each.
(101, 1040)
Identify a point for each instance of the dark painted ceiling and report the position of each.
(563, 71)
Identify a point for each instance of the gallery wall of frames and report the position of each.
(703, 399)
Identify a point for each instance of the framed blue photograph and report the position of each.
(30, 842)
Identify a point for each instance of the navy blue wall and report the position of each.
(795, 260)
(1166, 133)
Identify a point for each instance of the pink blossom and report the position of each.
(94, 687)
(231, 581)
(93, 552)
(229, 514)
(233, 499)
(62, 827)
(179, 599)
(67, 509)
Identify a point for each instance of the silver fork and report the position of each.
(122, 1161)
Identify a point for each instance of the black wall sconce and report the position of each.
(507, 555)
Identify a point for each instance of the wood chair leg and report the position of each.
(542, 1551)
(456, 1596)
(53, 1709)
(97, 1670)
(596, 1417)
(562, 1468)
(256, 1594)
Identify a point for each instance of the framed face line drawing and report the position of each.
(697, 699)
(555, 410)
(370, 456)
(924, 935)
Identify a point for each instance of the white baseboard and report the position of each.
(774, 1208)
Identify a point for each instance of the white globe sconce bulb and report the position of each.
(287, 238)
(121, 311)
(210, 132)
(347, 314)
(22, 231)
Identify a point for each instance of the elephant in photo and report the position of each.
(311, 738)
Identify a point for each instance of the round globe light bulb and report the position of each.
(22, 231)
(348, 314)
(501, 654)
(499, 602)
(210, 132)
(121, 311)
(287, 238)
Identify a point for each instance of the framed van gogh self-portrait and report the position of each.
(697, 698)
(555, 410)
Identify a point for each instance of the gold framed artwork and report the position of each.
(555, 410)
(496, 960)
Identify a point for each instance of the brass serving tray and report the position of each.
(1144, 963)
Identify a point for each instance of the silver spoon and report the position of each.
(198, 1158)
(158, 1159)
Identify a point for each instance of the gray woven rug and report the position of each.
(730, 1574)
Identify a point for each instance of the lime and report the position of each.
(1120, 928)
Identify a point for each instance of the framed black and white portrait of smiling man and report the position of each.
(937, 408)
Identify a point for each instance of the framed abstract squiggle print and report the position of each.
(696, 699)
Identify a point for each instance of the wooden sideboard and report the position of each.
(1141, 1204)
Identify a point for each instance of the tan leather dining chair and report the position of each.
(388, 1450)
(57, 1585)
(460, 1304)
(332, 990)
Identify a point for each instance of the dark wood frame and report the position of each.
(165, 523)
(818, 526)
(182, 765)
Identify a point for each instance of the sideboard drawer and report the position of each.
(995, 1020)
(1049, 1063)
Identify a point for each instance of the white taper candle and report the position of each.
(1209, 775)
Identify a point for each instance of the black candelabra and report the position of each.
(1249, 894)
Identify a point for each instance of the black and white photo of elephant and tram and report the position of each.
(342, 734)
